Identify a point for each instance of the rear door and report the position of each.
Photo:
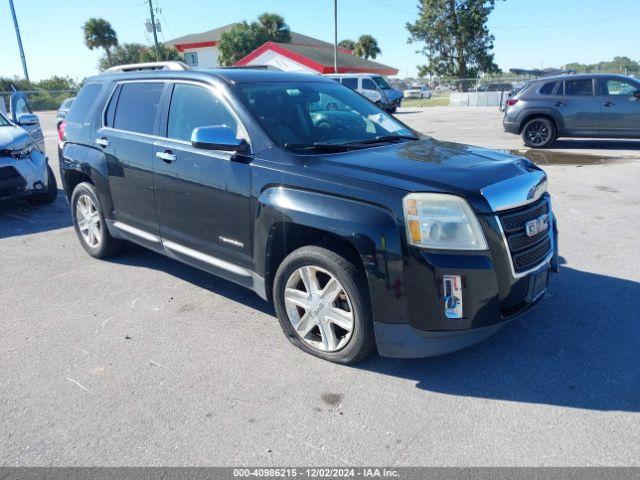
(126, 137)
(202, 196)
(619, 107)
(19, 106)
(580, 108)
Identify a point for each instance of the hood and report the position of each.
(392, 94)
(13, 138)
(429, 165)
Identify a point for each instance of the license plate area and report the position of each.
(538, 285)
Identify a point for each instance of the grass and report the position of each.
(423, 102)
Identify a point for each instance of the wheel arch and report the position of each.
(366, 234)
(528, 115)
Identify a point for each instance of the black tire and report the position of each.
(52, 191)
(539, 132)
(107, 245)
(361, 342)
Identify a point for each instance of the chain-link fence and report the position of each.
(41, 99)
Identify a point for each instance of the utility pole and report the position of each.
(153, 28)
(335, 36)
(22, 57)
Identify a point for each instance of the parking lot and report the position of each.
(141, 360)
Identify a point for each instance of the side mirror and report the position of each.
(27, 119)
(636, 94)
(218, 138)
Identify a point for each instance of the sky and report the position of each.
(529, 33)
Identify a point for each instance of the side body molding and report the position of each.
(372, 230)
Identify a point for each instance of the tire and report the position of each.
(539, 132)
(337, 344)
(105, 245)
(52, 191)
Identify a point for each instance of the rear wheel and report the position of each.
(89, 223)
(539, 133)
(322, 304)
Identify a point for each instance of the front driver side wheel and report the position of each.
(321, 300)
(539, 133)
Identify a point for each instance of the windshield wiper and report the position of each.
(319, 146)
(385, 139)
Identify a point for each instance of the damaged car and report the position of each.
(24, 167)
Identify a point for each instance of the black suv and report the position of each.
(361, 231)
(602, 105)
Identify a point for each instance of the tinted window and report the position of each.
(367, 84)
(111, 109)
(137, 107)
(382, 83)
(352, 83)
(21, 107)
(619, 88)
(582, 87)
(547, 88)
(192, 107)
(83, 101)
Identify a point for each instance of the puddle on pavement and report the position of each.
(546, 157)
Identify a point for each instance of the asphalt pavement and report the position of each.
(143, 361)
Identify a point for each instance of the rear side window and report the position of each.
(352, 83)
(137, 107)
(547, 88)
(83, 102)
(578, 88)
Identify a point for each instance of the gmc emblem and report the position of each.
(537, 225)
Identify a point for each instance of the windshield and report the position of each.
(382, 83)
(3, 121)
(307, 115)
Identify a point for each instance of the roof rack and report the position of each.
(148, 66)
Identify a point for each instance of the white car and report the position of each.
(24, 168)
(417, 91)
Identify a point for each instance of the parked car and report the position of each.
(63, 110)
(361, 231)
(495, 87)
(374, 87)
(24, 167)
(417, 91)
(598, 105)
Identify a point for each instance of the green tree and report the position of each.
(243, 38)
(456, 39)
(348, 44)
(166, 52)
(122, 54)
(98, 33)
(367, 47)
(57, 83)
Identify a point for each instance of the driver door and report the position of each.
(19, 106)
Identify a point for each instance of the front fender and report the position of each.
(372, 230)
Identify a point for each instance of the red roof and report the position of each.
(320, 58)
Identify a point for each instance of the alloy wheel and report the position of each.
(538, 133)
(319, 308)
(89, 222)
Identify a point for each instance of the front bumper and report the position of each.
(492, 295)
(23, 177)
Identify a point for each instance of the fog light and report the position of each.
(452, 295)
(38, 186)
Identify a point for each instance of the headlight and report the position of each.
(442, 221)
(20, 154)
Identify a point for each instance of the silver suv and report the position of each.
(600, 105)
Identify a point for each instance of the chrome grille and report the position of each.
(526, 252)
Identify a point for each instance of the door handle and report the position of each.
(103, 142)
(167, 156)
(609, 104)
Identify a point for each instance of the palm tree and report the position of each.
(367, 47)
(98, 33)
(273, 27)
(348, 44)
